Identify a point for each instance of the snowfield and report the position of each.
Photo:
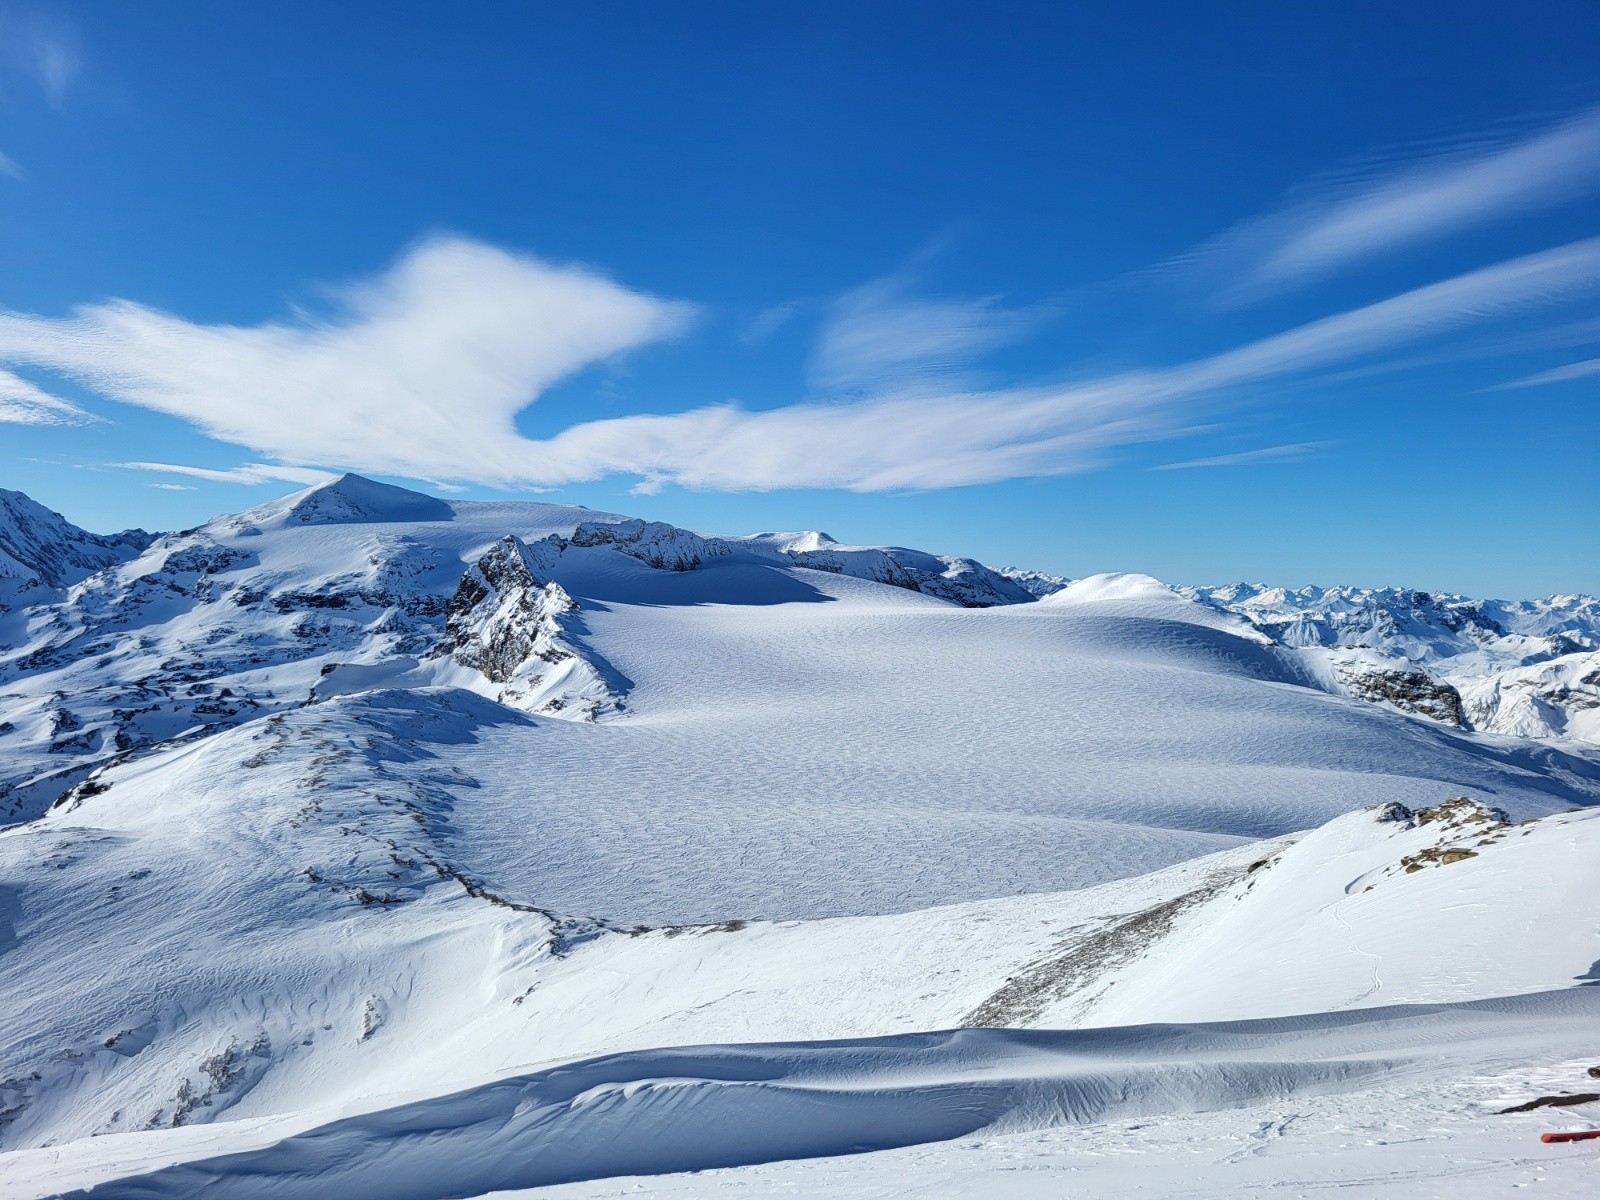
(366, 843)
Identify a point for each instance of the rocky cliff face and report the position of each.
(1410, 690)
(655, 543)
(515, 628)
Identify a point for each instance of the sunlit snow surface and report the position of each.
(443, 945)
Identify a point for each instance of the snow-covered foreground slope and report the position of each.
(689, 1109)
(413, 1045)
(424, 833)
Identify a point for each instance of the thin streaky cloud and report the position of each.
(767, 322)
(24, 403)
(1546, 277)
(9, 167)
(421, 372)
(249, 473)
(1266, 454)
(1586, 369)
(173, 487)
(1405, 205)
(881, 334)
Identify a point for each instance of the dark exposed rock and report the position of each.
(1410, 690)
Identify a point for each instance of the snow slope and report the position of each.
(498, 1010)
(370, 835)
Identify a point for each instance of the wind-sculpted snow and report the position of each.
(303, 913)
(698, 1108)
(307, 843)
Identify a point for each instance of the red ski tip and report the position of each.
(1570, 1137)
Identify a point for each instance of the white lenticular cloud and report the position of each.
(422, 371)
(419, 373)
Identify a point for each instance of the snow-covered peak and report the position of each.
(354, 499)
(1113, 585)
(1037, 584)
(1529, 668)
(40, 546)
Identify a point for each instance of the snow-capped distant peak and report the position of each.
(354, 499)
(40, 546)
(1112, 585)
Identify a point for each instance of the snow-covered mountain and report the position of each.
(1526, 668)
(397, 846)
(42, 549)
(1529, 668)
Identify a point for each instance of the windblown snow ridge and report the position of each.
(701, 1107)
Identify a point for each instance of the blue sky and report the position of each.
(1291, 293)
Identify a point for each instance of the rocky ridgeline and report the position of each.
(514, 627)
(655, 543)
(41, 549)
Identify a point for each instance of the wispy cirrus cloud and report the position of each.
(42, 46)
(249, 473)
(924, 439)
(883, 332)
(1408, 204)
(1265, 454)
(420, 372)
(24, 403)
(1586, 369)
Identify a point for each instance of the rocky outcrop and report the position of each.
(1410, 690)
(962, 581)
(513, 628)
(655, 543)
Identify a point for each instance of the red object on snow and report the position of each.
(1570, 1137)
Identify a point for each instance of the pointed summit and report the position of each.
(356, 500)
